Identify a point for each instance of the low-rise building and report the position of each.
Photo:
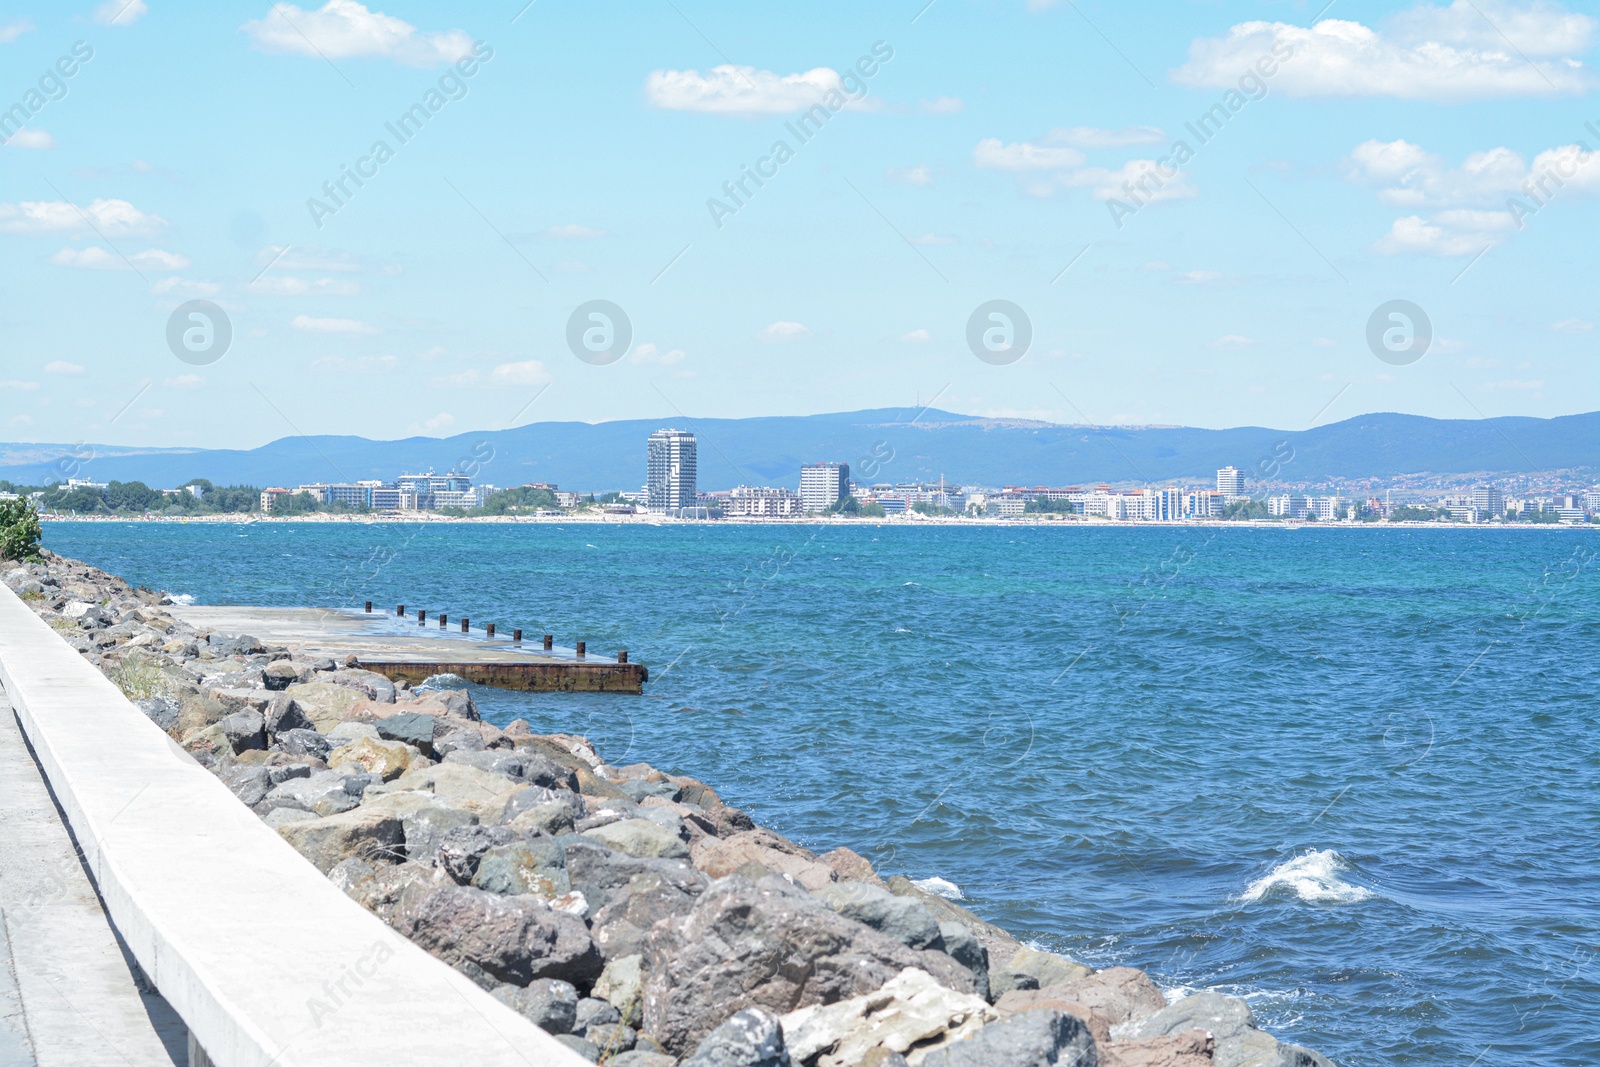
(752, 501)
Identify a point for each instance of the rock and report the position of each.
(963, 946)
(601, 874)
(611, 1039)
(1188, 1048)
(550, 1004)
(643, 1058)
(374, 685)
(848, 866)
(587, 1049)
(751, 1038)
(1031, 1039)
(467, 788)
(281, 675)
(909, 1011)
(1019, 1000)
(1000, 944)
(1040, 969)
(453, 703)
(372, 836)
(622, 986)
(280, 817)
(719, 857)
(346, 732)
(250, 784)
(512, 939)
(306, 742)
(326, 793)
(640, 837)
(1118, 993)
(550, 819)
(163, 711)
(744, 946)
(538, 868)
(518, 766)
(620, 927)
(592, 1011)
(245, 730)
(465, 739)
(414, 730)
(209, 743)
(1231, 1023)
(324, 703)
(426, 828)
(282, 715)
(882, 1057)
(387, 760)
(460, 850)
(902, 918)
(639, 789)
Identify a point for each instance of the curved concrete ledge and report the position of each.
(266, 961)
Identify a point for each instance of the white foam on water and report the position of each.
(444, 681)
(184, 599)
(1311, 876)
(940, 887)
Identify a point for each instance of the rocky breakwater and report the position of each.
(628, 910)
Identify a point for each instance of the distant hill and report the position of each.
(884, 444)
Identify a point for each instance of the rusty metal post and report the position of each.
(399, 609)
(464, 621)
(489, 629)
(516, 636)
(369, 607)
(549, 642)
(422, 616)
(582, 649)
(443, 618)
(622, 657)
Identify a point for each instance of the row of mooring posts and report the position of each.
(488, 628)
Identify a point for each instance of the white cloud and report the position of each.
(20, 420)
(735, 90)
(185, 381)
(1513, 386)
(1140, 175)
(528, 372)
(61, 366)
(921, 174)
(344, 29)
(21, 386)
(442, 421)
(1200, 277)
(311, 325)
(943, 105)
(14, 29)
(1471, 50)
(120, 12)
(289, 285)
(185, 287)
(649, 353)
(30, 139)
(311, 258)
(933, 239)
(784, 331)
(574, 232)
(110, 217)
(1572, 326)
(919, 336)
(993, 154)
(96, 258)
(1092, 137)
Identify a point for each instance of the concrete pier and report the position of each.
(396, 647)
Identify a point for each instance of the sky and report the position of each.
(399, 216)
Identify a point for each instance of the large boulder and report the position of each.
(1120, 994)
(1000, 945)
(414, 730)
(536, 867)
(370, 835)
(283, 715)
(548, 1003)
(1188, 1048)
(621, 985)
(902, 918)
(325, 704)
(751, 1038)
(386, 760)
(509, 939)
(1029, 968)
(426, 828)
(525, 767)
(640, 837)
(622, 924)
(1232, 1025)
(467, 788)
(766, 946)
(722, 856)
(963, 946)
(909, 1011)
(603, 875)
(1031, 1039)
(245, 731)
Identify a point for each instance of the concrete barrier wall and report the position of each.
(266, 961)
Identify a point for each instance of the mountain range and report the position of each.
(882, 444)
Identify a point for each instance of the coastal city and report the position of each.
(824, 489)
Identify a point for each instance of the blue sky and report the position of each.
(574, 152)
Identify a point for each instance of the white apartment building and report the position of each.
(753, 501)
(822, 485)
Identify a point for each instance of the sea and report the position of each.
(1349, 774)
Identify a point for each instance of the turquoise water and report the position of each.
(1349, 774)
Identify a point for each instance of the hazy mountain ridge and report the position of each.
(882, 444)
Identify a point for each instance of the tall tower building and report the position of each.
(822, 485)
(1230, 481)
(671, 482)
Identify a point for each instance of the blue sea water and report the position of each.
(1350, 775)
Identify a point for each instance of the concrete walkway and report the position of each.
(70, 995)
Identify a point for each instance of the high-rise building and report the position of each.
(1489, 500)
(822, 485)
(1230, 481)
(670, 484)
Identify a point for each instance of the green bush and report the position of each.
(19, 530)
